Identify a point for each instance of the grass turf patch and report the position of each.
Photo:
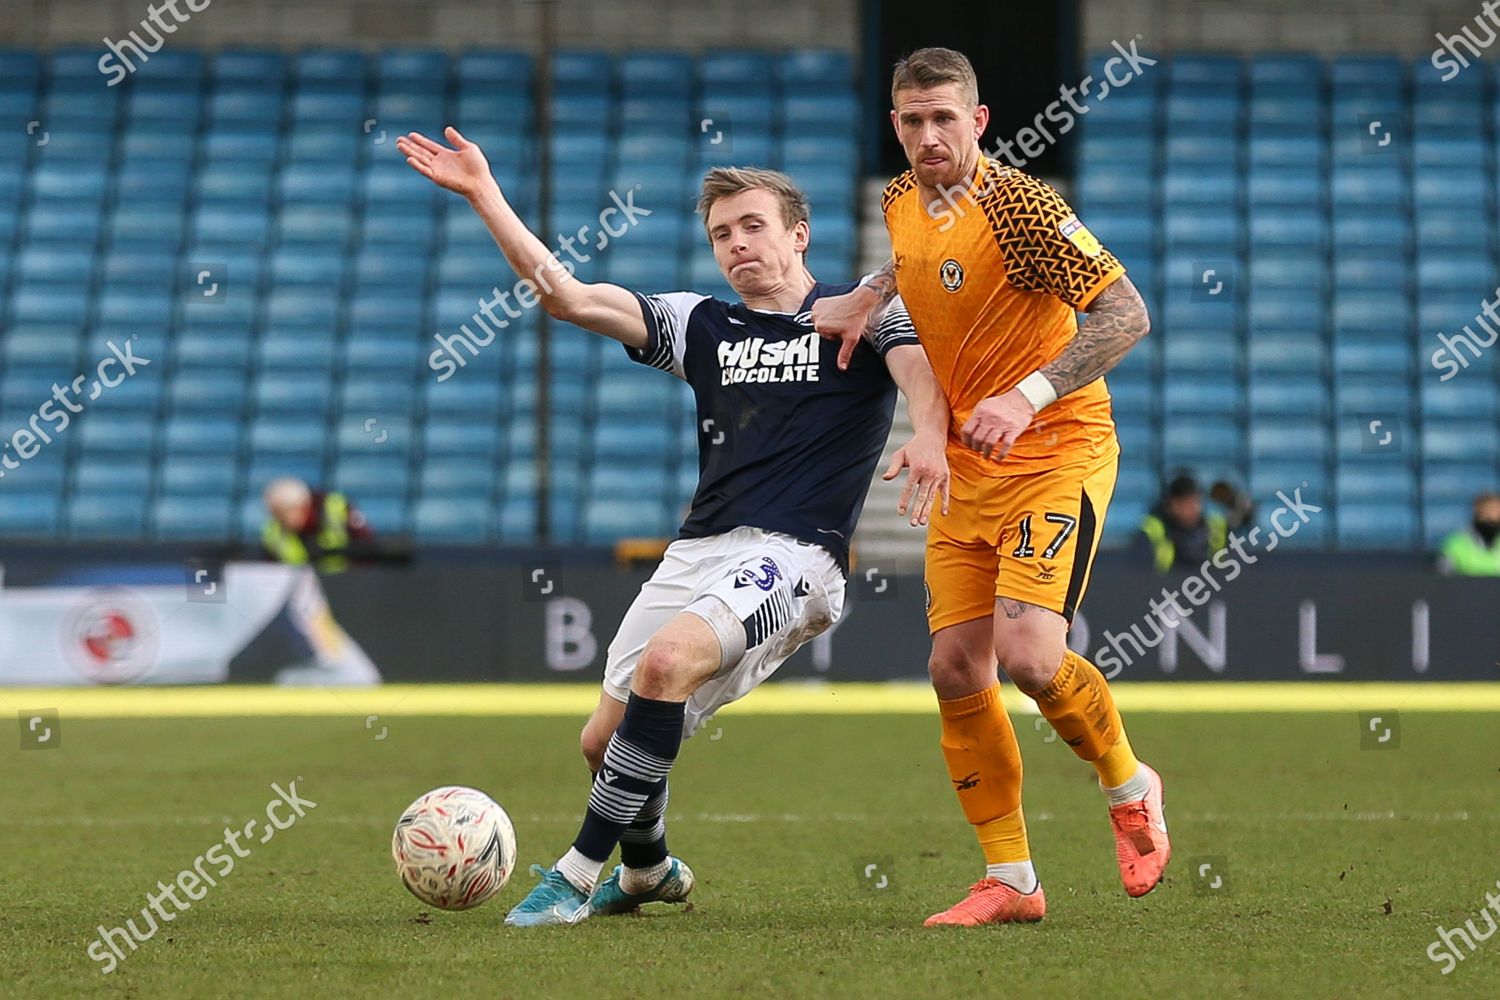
(1312, 838)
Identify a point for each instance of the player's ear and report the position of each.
(801, 236)
(895, 123)
(981, 119)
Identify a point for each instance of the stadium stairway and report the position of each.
(883, 539)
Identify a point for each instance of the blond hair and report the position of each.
(724, 182)
(934, 67)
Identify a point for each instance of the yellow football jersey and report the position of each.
(992, 280)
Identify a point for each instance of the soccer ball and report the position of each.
(454, 847)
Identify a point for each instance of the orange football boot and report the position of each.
(1141, 844)
(991, 901)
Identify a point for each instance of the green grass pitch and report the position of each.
(1336, 864)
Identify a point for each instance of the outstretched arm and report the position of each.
(605, 309)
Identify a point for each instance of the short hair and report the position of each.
(934, 67)
(724, 182)
(1184, 484)
(1488, 496)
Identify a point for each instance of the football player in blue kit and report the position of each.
(758, 569)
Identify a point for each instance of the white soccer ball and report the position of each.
(454, 847)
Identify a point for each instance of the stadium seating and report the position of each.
(1345, 247)
(245, 217)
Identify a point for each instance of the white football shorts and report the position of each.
(763, 593)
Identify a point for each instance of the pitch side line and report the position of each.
(792, 698)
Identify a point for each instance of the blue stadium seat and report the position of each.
(1361, 358)
(515, 522)
(1376, 526)
(1445, 272)
(1267, 476)
(1204, 441)
(456, 520)
(1374, 482)
(608, 520)
(582, 71)
(1371, 315)
(248, 68)
(1289, 438)
(494, 69)
(461, 436)
(106, 515)
(745, 71)
(1284, 186)
(1291, 228)
(283, 435)
(1200, 187)
(836, 114)
(1353, 276)
(1186, 395)
(1284, 394)
(1284, 111)
(655, 72)
(447, 476)
(816, 70)
(1286, 353)
(1206, 230)
(197, 518)
(291, 394)
(373, 475)
(198, 475)
(123, 473)
(28, 514)
(1439, 229)
(1378, 186)
(1357, 231)
(1459, 441)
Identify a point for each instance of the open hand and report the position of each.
(927, 480)
(461, 169)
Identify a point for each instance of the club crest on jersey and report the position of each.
(952, 273)
(1076, 233)
(756, 359)
(763, 576)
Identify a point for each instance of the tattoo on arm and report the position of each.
(884, 282)
(1117, 319)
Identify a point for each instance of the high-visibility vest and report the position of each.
(332, 538)
(1465, 553)
(1164, 550)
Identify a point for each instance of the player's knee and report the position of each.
(955, 673)
(1030, 665)
(663, 669)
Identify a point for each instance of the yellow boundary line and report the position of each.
(898, 698)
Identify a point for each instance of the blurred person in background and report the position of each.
(1475, 551)
(1179, 533)
(1239, 508)
(309, 527)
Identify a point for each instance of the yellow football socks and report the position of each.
(984, 762)
(1078, 704)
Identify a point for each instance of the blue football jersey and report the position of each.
(786, 441)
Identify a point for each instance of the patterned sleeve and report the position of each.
(895, 329)
(1046, 248)
(666, 318)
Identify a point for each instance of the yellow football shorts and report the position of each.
(1029, 538)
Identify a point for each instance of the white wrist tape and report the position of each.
(1037, 390)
